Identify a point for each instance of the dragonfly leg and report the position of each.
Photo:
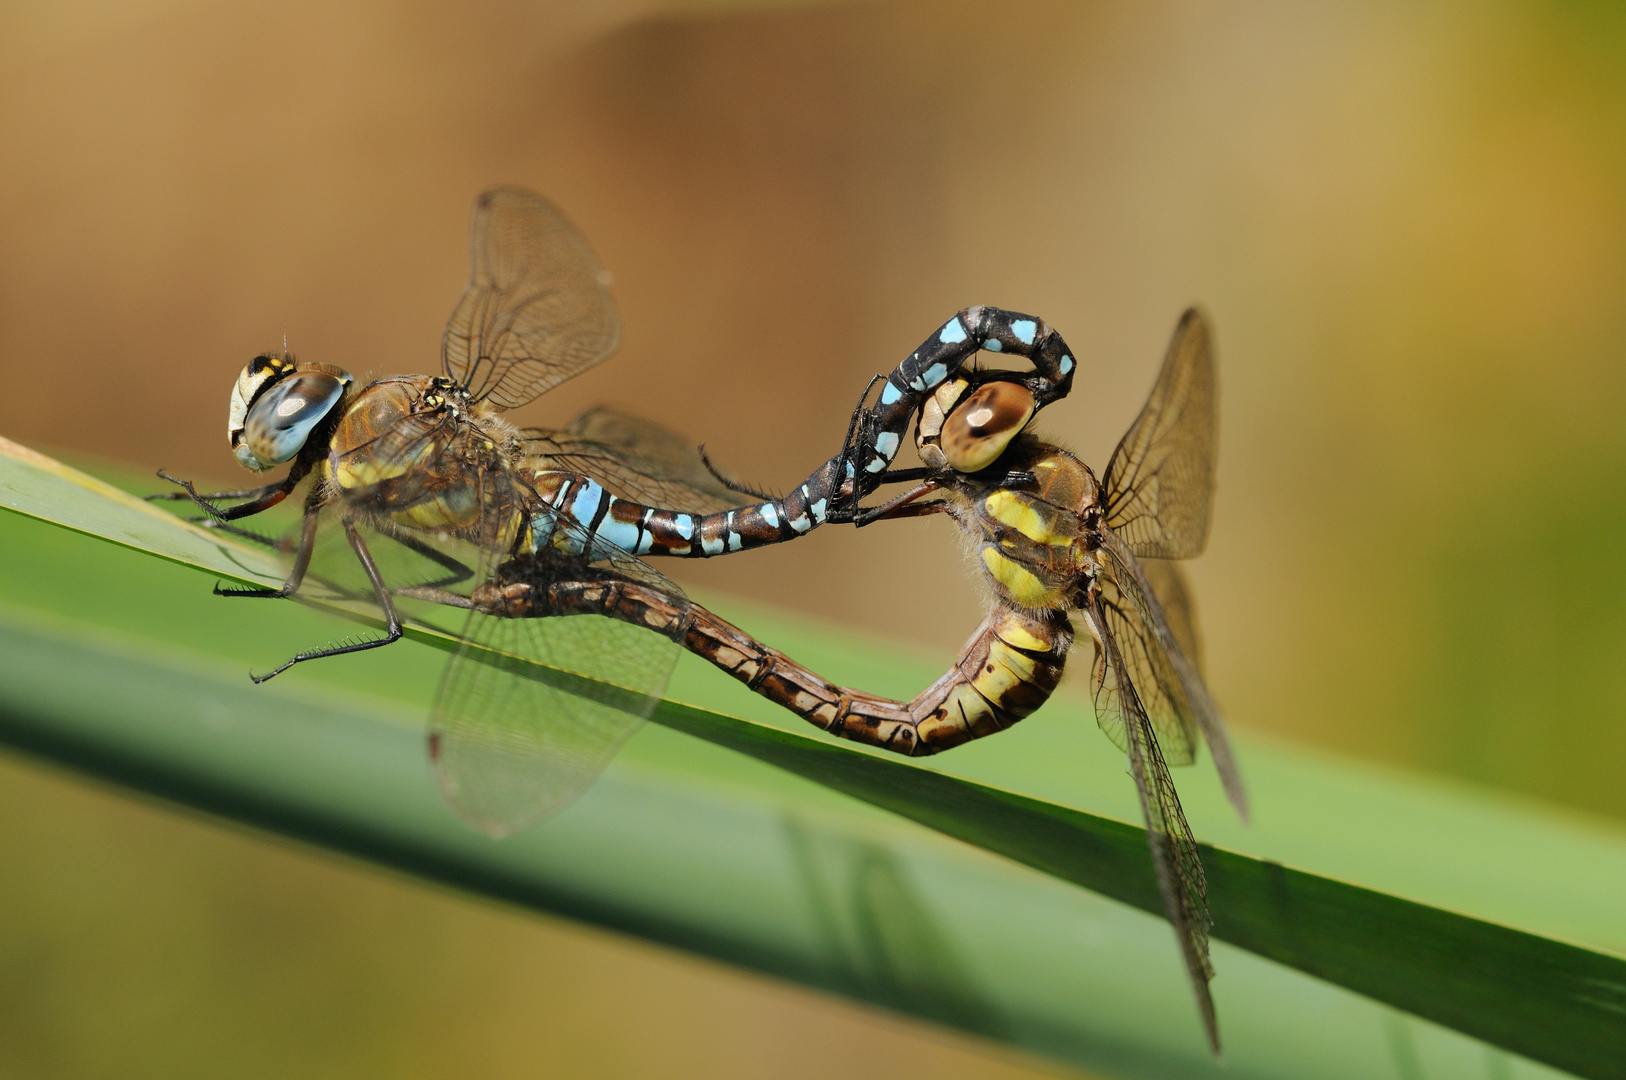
(260, 499)
(455, 568)
(729, 482)
(904, 505)
(302, 560)
(381, 593)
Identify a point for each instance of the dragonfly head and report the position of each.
(966, 429)
(275, 406)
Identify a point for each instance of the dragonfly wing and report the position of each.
(531, 711)
(1158, 690)
(1153, 598)
(1175, 857)
(1159, 485)
(634, 459)
(536, 310)
(1169, 585)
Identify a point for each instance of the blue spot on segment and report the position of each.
(769, 514)
(818, 510)
(1066, 363)
(623, 534)
(1024, 329)
(952, 333)
(994, 345)
(683, 524)
(620, 533)
(876, 466)
(849, 473)
(733, 541)
(934, 375)
(801, 523)
(890, 394)
(886, 444)
(646, 545)
(584, 508)
(711, 546)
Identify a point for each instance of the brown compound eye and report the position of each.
(977, 432)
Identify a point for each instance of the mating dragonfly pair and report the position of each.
(531, 530)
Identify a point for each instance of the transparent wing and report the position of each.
(1159, 485)
(401, 452)
(1160, 696)
(1168, 583)
(519, 732)
(1151, 596)
(536, 311)
(634, 459)
(1175, 857)
(530, 711)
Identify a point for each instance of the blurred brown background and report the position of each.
(1407, 221)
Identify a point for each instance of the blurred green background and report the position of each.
(1408, 221)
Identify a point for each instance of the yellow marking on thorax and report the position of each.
(1024, 587)
(1017, 512)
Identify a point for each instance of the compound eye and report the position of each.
(979, 430)
(282, 419)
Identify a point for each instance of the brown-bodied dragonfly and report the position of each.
(428, 464)
(1056, 546)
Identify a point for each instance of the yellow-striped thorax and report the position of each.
(1036, 545)
(415, 448)
(275, 406)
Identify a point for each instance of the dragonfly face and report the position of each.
(277, 405)
(966, 429)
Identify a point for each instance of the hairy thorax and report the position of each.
(1033, 541)
(411, 450)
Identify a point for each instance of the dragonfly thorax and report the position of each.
(1036, 544)
(414, 449)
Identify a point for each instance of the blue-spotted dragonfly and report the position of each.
(429, 464)
(1056, 547)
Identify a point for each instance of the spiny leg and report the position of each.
(901, 506)
(729, 482)
(260, 499)
(381, 593)
(302, 559)
(456, 569)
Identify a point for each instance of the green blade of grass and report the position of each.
(1553, 1002)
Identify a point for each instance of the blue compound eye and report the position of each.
(282, 419)
(983, 425)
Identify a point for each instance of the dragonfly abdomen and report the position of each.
(647, 530)
(1007, 670)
